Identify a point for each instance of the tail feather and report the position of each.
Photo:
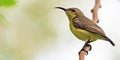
(107, 39)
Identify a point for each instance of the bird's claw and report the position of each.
(89, 46)
(85, 48)
(86, 52)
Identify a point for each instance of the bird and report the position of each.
(84, 28)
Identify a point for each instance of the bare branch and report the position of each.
(95, 11)
(82, 55)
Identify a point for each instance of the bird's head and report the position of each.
(72, 12)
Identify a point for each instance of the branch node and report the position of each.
(100, 6)
(95, 11)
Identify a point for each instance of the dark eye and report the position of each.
(72, 10)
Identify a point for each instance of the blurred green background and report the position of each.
(35, 30)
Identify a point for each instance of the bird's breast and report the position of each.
(83, 34)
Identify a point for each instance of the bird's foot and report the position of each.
(87, 47)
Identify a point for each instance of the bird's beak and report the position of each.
(61, 8)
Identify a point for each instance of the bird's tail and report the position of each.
(107, 39)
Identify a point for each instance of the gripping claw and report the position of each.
(87, 47)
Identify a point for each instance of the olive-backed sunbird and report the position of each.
(84, 28)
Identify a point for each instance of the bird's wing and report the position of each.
(88, 25)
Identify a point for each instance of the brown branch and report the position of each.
(82, 55)
(95, 19)
(95, 11)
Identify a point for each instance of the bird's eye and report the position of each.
(72, 10)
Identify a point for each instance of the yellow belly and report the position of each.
(84, 35)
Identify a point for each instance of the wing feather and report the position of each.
(85, 24)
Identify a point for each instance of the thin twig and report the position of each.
(95, 11)
(95, 19)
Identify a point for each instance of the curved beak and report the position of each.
(61, 8)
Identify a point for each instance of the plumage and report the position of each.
(83, 28)
(88, 25)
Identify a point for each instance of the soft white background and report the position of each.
(38, 31)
